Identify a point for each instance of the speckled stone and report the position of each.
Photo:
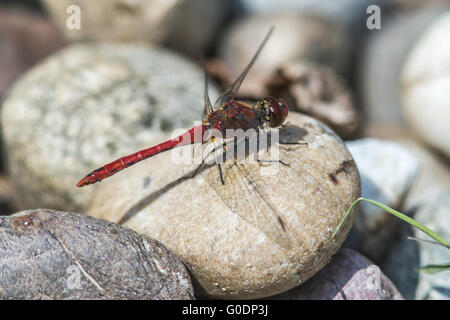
(228, 256)
(87, 106)
(426, 85)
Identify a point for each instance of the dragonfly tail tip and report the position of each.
(83, 182)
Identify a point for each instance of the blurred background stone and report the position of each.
(348, 276)
(406, 256)
(348, 13)
(381, 63)
(417, 4)
(187, 26)
(25, 39)
(87, 106)
(318, 92)
(387, 173)
(296, 36)
(426, 86)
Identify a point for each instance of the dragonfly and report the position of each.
(235, 184)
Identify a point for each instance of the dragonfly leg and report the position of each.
(191, 176)
(294, 143)
(265, 160)
(197, 170)
(272, 161)
(221, 174)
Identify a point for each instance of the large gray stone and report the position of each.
(88, 105)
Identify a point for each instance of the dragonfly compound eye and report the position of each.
(277, 112)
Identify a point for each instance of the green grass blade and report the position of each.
(399, 215)
(435, 268)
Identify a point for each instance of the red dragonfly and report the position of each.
(235, 183)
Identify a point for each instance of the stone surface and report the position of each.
(318, 92)
(185, 25)
(25, 39)
(406, 256)
(46, 254)
(87, 106)
(383, 56)
(387, 173)
(426, 85)
(296, 36)
(348, 276)
(230, 252)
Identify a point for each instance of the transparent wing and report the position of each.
(237, 185)
(231, 93)
(208, 107)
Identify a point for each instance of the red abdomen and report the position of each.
(194, 135)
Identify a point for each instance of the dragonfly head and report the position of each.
(275, 111)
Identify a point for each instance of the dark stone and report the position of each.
(47, 254)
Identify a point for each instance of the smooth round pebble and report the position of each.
(232, 255)
(87, 106)
(47, 254)
(426, 85)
